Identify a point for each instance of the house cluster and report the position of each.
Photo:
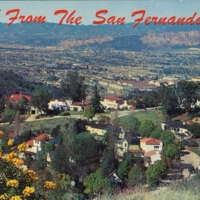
(147, 148)
(109, 102)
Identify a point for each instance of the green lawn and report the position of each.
(154, 115)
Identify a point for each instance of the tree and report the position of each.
(8, 115)
(146, 128)
(167, 138)
(2, 103)
(136, 176)
(187, 93)
(131, 123)
(171, 151)
(194, 128)
(89, 112)
(104, 119)
(156, 133)
(109, 162)
(95, 101)
(152, 175)
(168, 99)
(149, 100)
(40, 98)
(136, 102)
(73, 85)
(95, 183)
(21, 104)
(123, 169)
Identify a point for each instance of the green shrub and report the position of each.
(65, 113)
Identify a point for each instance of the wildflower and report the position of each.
(16, 198)
(12, 183)
(49, 185)
(28, 191)
(22, 147)
(10, 142)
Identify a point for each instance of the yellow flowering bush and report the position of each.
(22, 147)
(17, 162)
(10, 156)
(49, 185)
(16, 183)
(16, 198)
(30, 175)
(2, 197)
(1, 134)
(28, 191)
(12, 183)
(10, 142)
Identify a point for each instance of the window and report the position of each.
(156, 147)
(36, 142)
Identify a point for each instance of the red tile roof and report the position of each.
(17, 97)
(151, 141)
(30, 142)
(112, 98)
(43, 137)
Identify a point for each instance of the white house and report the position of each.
(35, 145)
(152, 149)
(114, 102)
(175, 127)
(153, 156)
(77, 106)
(56, 104)
(149, 144)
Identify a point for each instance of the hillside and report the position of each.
(110, 36)
(11, 83)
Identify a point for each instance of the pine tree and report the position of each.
(96, 101)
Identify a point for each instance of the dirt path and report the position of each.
(189, 158)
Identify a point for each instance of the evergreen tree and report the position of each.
(96, 101)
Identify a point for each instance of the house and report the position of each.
(114, 102)
(152, 149)
(77, 106)
(127, 141)
(149, 144)
(56, 104)
(121, 147)
(179, 129)
(152, 156)
(17, 97)
(97, 129)
(36, 144)
(114, 178)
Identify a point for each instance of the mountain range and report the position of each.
(102, 36)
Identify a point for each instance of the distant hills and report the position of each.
(110, 36)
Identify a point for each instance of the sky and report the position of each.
(87, 9)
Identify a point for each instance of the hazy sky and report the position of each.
(87, 9)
